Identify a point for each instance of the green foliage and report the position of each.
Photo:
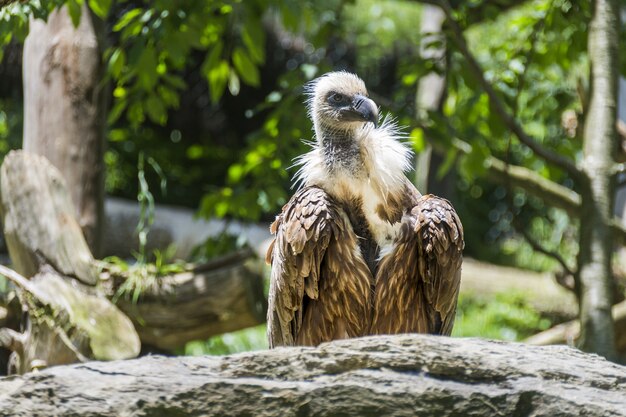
(10, 126)
(143, 274)
(507, 317)
(158, 38)
(146, 203)
(535, 57)
(253, 338)
(140, 275)
(217, 246)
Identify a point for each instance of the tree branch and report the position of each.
(552, 193)
(533, 183)
(538, 247)
(559, 160)
(4, 3)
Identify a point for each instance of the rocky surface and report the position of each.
(404, 375)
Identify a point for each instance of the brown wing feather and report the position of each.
(320, 285)
(440, 246)
(418, 282)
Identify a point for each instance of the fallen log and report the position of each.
(214, 298)
(65, 325)
(402, 375)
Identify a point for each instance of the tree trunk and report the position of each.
(38, 218)
(66, 320)
(64, 111)
(595, 277)
(431, 87)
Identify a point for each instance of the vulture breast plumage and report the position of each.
(357, 249)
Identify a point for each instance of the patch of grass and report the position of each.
(244, 340)
(506, 317)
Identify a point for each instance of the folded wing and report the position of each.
(320, 285)
(417, 284)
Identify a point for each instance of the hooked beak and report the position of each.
(363, 109)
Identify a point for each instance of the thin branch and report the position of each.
(619, 168)
(18, 280)
(12, 340)
(4, 3)
(559, 160)
(538, 247)
(619, 230)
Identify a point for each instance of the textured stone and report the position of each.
(404, 375)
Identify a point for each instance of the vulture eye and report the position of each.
(337, 98)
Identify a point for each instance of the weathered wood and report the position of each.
(402, 375)
(66, 325)
(219, 297)
(64, 108)
(38, 218)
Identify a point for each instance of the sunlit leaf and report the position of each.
(246, 68)
(74, 10)
(218, 78)
(128, 17)
(100, 7)
(117, 62)
(233, 83)
(147, 68)
(156, 110)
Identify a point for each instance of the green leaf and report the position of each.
(246, 68)
(73, 9)
(417, 138)
(212, 59)
(156, 110)
(473, 164)
(233, 83)
(117, 110)
(175, 81)
(100, 7)
(128, 17)
(147, 68)
(218, 77)
(253, 37)
(170, 97)
(447, 163)
(135, 113)
(117, 62)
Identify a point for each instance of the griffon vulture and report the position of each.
(358, 250)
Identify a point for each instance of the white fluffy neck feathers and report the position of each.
(374, 156)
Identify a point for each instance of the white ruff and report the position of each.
(385, 157)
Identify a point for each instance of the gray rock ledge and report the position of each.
(403, 375)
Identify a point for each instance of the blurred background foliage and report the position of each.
(212, 92)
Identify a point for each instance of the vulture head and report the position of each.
(338, 105)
